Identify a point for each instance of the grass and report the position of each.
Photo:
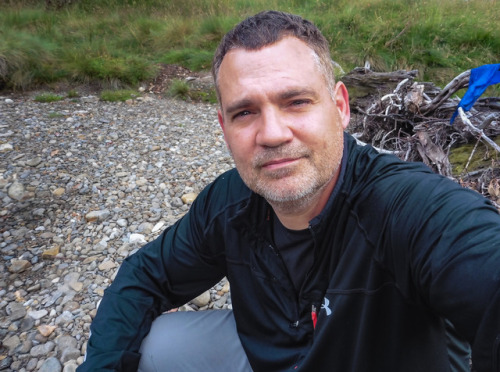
(55, 115)
(72, 94)
(48, 97)
(178, 89)
(119, 43)
(121, 95)
(181, 89)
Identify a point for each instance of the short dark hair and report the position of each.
(269, 27)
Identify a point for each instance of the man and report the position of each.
(339, 258)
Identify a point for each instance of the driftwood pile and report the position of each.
(398, 115)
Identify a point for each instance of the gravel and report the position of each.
(83, 184)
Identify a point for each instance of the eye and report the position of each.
(299, 102)
(241, 114)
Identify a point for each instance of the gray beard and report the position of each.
(293, 203)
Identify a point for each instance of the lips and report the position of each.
(279, 162)
(280, 157)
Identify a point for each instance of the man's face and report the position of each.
(282, 126)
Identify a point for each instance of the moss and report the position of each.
(482, 158)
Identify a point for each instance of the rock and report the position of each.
(69, 161)
(8, 101)
(58, 192)
(177, 202)
(26, 324)
(202, 300)
(4, 147)
(189, 198)
(42, 349)
(25, 347)
(34, 161)
(18, 266)
(122, 222)
(158, 227)
(69, 354)
(5, 363)
(11, 342)
(76, 286)
(66, 342)
(50, 365)
(137, 239)
(16, 191)
(107, 265)
(97, 215)
(46, 330)
(64, 318)
(89, 99)
(145, 228)
(37, 314)
(51, 252)
(15, 311)
(32, 364)
(70, 367)
(219, 304)
(89, 260)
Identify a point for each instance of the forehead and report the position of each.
(288, 62)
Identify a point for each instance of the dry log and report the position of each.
(478, 131)
(410, 119)
(459, 82)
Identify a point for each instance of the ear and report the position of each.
(221, 119)
(342, 102)
(221, 123)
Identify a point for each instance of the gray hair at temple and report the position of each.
(269, 27)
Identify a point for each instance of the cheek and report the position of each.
(239, 144)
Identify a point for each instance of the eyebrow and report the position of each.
(238, 105)
(285, 95)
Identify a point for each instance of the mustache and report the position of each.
(281, 152)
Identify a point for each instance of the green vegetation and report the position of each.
(120, 43)
(55, 115)
(483, 156)
(181, 89)
(73, 94)
(48, 97)
(118, 95)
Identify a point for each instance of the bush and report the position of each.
(178, 89)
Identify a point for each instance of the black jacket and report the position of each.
(397, 249)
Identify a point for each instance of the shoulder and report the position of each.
(228, 191)
(383, 185)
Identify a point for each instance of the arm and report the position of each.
(163, 274)
(452, 264)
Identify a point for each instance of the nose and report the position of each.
(273, 129)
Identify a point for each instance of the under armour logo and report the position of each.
(325, 305)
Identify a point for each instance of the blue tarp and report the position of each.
(480, 79)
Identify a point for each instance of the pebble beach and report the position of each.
(83, 184)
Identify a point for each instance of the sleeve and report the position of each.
(445, 252)
(166, 273)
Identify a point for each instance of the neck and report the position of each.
(296, 214)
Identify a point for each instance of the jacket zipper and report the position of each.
(296, 323)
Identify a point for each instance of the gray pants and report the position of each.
(193, 341)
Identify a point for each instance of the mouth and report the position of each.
(279, 163)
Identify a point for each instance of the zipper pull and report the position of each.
(314, 316)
